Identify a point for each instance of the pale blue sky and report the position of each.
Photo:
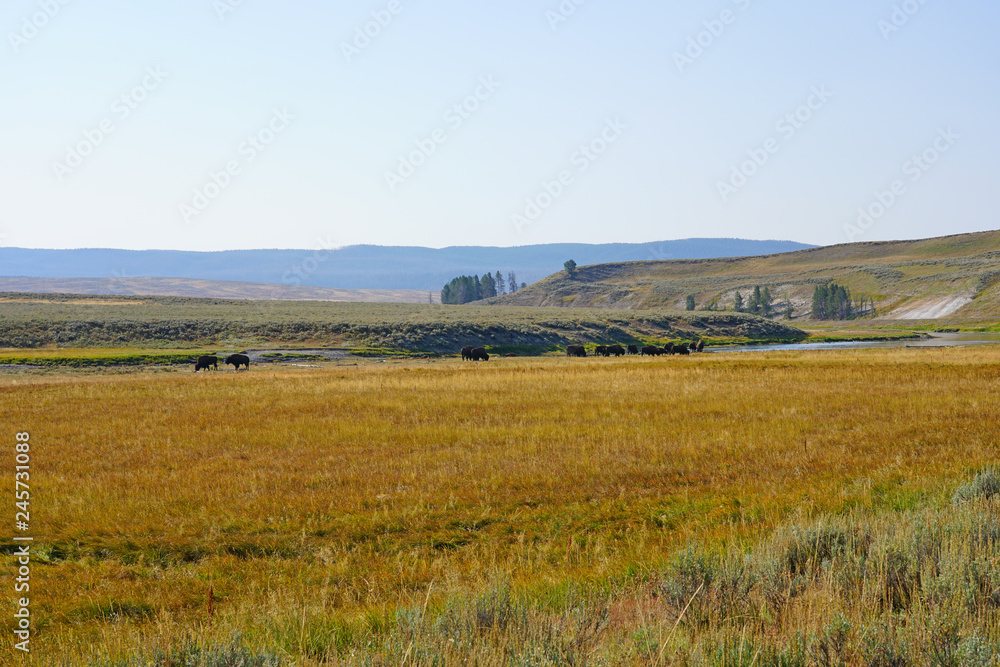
(337, 124)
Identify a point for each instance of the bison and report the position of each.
(238, 360)
(466, 353)
(681, 348)
(701, 345)
(479, 354)
(668, 348)
(575, 351)
(601, 350)
(511, 354)
(633, 349)
(206, 361)
(616, 350)
(651, 350)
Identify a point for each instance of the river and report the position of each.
(933, 340)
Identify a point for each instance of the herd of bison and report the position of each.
(470, 353)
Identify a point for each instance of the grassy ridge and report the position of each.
(525, 513)
(895, 274)
(31, 321)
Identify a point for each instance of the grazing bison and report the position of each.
(601, 350)
(633, 349)
(479, 354)
(466, 353)
(575, 351)
(668, 348)
(681, 348)
(238, 360)
(651, 350)
(206, 361)
(616, 350)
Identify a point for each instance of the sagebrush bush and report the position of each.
(984, 486)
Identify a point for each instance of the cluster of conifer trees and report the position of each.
(473, 288)
(834, 302)
(760, 302)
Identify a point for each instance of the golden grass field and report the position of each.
(522, 511)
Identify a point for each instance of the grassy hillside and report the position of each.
(905, 278)
(31, 321)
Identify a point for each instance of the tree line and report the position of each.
(464, 289)
(830, 302)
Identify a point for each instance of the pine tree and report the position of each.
(489, 287)
(755, 299)
(511, 282)
(738, 302)
(765, 302)
(501, 287)
(819, 302)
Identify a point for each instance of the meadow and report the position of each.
(726, 509)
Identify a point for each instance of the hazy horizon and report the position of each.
(225, 125)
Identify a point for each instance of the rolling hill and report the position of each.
(952, 277)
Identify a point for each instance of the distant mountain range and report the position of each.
(365, 267)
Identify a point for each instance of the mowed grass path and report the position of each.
(337, 492)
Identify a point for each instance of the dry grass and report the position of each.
(330, 511)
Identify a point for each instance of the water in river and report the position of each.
(935, 340)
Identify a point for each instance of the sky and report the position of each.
(228, 124)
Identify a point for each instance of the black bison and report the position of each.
(466, 353)
(668, 348)
(633, 349)
(206, 361)
(681, 348)
(238, 360)
(575, 351)
(700, 346)
(601, 350)
(651, 350)
(616, 350)
(479, 354)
